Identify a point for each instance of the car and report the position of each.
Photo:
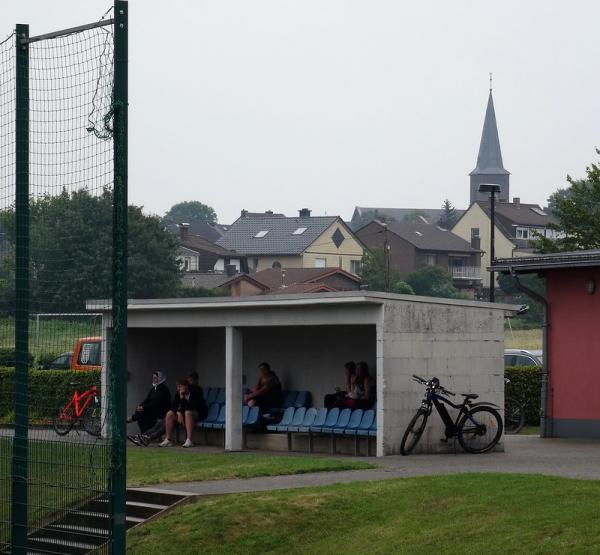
(522, 357)
(61, 362)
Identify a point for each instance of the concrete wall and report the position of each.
(462, 346)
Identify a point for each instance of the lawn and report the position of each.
(523, 339)
(469, 513)
(153, 466)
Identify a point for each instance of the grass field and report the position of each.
(469, 513)
(152, 466)
(523, 339)
(53, 335)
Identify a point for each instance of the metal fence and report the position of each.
(63, 238)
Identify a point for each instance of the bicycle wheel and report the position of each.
(91, 422)
(64, 420)
(413, 433)
(480, 429)
(514, 415)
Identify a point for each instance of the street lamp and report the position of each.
(492, 189)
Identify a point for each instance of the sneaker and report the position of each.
(165, 443)
(145, 439)
(188, 443)
(135, 440)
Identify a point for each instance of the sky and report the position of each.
(329, 104)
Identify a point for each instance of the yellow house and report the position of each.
(515, 225)
(275, 241)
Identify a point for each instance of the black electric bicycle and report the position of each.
(514, 413)
(478, 426)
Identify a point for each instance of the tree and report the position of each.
(449, 217)
(578, 214)
(535, 315)
(71, 251)
(373, 273)
(433, 281)
(189, 211)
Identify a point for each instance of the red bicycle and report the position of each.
(83, 409)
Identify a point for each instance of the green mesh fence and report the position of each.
(58, 447)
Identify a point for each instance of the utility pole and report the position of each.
(386, 258)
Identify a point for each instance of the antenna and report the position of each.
(491, 78)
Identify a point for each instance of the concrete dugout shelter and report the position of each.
(307, 338)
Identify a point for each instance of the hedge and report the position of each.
(526, 384)
(47, 390)
(8, 357)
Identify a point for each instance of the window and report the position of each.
(300, 231)
(187, 263)
(89, 354)
(538, 211)
(320, 263)
(430, 259)
(522, 233)
(355, 267)
(261, 234)
(474, 232)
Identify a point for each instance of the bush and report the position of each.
(526, 385)
(47, 390)
(8, 357)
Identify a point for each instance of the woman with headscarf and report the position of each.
(154, 406)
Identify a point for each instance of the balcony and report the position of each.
(466, 272)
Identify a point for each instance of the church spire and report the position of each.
(490, 168)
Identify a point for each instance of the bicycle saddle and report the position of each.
(470, 395)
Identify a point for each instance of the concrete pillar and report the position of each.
(380, 448)
(233, 389)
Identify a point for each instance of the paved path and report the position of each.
(523, 454)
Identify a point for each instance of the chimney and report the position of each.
(184, 231)
(304, 213)
(230, 270)
(244, 213)
(517, 201)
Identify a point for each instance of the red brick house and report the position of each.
(570, 406)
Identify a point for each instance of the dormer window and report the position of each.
(261, 234)
(300, 231)
(522, 233)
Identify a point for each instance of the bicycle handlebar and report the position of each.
(434, 383)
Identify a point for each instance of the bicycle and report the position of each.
(82, 408)
(514, 413)
(478, 426)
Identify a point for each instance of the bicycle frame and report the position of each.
(87, 396)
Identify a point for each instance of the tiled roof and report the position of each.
(208, 281)
(196, 243)
(301, 288)
(432, 215)
(431, 238)
(571, 259)
(279, 239)
(274, 278)
(206, 230)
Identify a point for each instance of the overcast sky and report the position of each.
(328, 104)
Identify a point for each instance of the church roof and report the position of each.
(489, 159)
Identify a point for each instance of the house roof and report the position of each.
(301, 288)
(572, 259)
(198, 244)
(429, 237)
(207, 230)
(432, 215)
(275, 278)
(280, 238)
(208, 281)
(489, 159)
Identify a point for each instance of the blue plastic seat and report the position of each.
(332, 417)
(302, 399)
(220, 420)
(352, 424)
(364, 426)
(288, 416)
(309, 419)
(252, 418)
(319, 419)
(211, 395)
(341, 422)
(211, 416)
(289, 399)
(220, 398)
(297, 420)
(373, 428)
(245, 411)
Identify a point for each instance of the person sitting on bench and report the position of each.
(152, 408)
(267, 392)
(185, 410)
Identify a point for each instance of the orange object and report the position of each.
(87, 354)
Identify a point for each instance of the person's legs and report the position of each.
(170, 420)
(145, 421)
(191, 416)
(252, 402)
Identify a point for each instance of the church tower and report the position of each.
(489, 167)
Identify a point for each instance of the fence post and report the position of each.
(20, 444)
(118, 354)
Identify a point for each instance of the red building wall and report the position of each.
(574, 352)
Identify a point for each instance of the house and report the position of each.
(516, 224)
(201, 228)
(292, 280)
(571, 350)
(362, 215)
(414, 245)
(196, 254)
(270, 240)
